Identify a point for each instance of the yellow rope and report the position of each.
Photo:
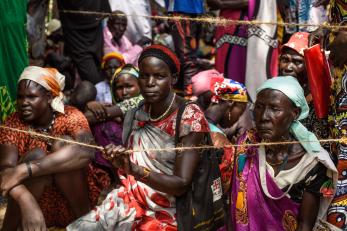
(36, 134)
(219, 21)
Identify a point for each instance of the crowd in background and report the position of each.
(109, 73)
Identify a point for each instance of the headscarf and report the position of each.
(51, 80)
(228, 90)
(291, 88)
(298, 42)
(201, 82)
(163, 53)
(112, 55)
(127, 69)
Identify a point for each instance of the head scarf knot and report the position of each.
(291, 88)
(228, 90)
(51, 80)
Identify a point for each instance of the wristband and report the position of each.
(30, 172)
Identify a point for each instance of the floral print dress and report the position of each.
(135, 205)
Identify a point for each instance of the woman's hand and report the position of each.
(32, 217)
(119, 157)
(98, 110)
(11, 177)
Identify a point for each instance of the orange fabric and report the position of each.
(52, 83)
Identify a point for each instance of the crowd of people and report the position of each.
(174, 124)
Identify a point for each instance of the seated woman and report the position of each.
(46, 186)
(203, 86)
(284, 186)
(116, 41)
(106, 120)
(110, 63)
(150, 180)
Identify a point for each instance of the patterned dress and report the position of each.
(135, 205)
(54, 205)
(337, 214)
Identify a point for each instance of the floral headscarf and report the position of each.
(228, 90)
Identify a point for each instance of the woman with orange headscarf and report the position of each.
(48, 183)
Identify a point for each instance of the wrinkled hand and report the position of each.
(119, 157)
(338, 49)
(9, 178)
(98, 110)
(316, 37)
(32, 216)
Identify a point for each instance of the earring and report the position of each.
(229, 115)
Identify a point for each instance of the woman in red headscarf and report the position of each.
(292, 63)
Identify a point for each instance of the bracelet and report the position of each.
(30, 172)
(145, 174)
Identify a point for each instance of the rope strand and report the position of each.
(219, 21)
(36, 134)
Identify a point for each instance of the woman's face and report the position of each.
(155, 80)
(274, 114)
(110, 68)
(232, 114)
(32, 101)
(293, 64)
(126, 87)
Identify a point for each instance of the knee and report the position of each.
(34, 154)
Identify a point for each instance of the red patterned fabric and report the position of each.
(135, 205)
(298, 42)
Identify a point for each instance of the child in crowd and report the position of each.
(110, 63)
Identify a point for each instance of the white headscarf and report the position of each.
(51, 80)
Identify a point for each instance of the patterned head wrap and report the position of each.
(165, 54)
(127, 69)
(112, 55)
(291, 88)
(228, 90)
(51, 80)
(201, 82)
(298, 42)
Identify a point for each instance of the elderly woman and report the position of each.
(284, 186)
(46, 183)
(151, 180)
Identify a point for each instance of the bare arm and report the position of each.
(185, 165)
(66, 159)
(228, 4)
(8, 156)
(308, 211)
(112, 112)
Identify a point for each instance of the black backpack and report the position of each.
(202, 206)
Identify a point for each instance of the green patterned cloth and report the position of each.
(6, 104)
(13, 51)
